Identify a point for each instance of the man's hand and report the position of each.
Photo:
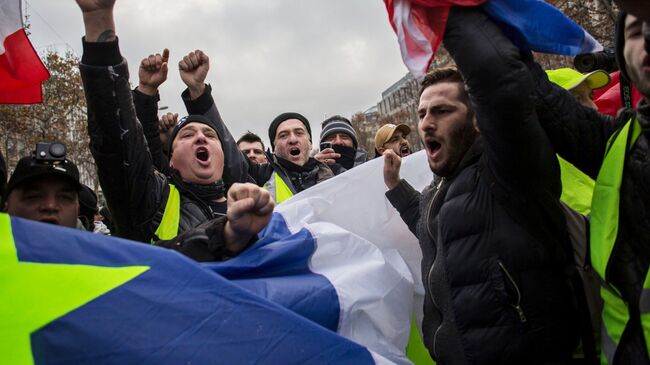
(392, 164)
(327, 156)
(194, 69)
(249, 209)
(153, 72)
(98, 20)
(166, 125)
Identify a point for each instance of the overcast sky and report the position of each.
(316, 57)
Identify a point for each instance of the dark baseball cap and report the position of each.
(28, 168)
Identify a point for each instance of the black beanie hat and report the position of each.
(338, 124)
(185, 121)
(284, 117)
(87, 202)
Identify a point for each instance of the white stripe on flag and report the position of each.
(10, 20)
(366, 251)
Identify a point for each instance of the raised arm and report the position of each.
(132, 187)
(198, 99)
(501, 88)
(151, 74)
(567, 122)
(401, 194)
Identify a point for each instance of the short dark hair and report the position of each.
(445, 74)
(250, 137)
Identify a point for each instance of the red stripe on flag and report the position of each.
(423, 19)
(21, 71)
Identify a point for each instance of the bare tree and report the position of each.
(61, 117)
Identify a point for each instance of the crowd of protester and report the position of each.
(535, 231)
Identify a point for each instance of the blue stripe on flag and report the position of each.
(277, 268)
(543, 26)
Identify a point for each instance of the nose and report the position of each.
(427, 123)
(200, 137)
(293, 139)
(338, 140)
(49, 203)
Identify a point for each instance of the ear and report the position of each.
(381, 150)
(475, 123)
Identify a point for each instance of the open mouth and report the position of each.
(202, 154)
(433, 147)
(405, 150)
(294, 151)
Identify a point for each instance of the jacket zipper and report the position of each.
(517, 306)
(435, 195)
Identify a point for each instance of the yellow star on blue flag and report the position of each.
(34, 294)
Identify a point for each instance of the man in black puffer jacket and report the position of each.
(491, 229)
(620, 232)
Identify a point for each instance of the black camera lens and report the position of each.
(603, 60)
(57, 150)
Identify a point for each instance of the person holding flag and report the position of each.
(497, 265)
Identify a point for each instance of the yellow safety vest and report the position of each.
(604, 230)
(577, 187)
(168, 227)
(278, 189)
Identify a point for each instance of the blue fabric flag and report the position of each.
(545, 28)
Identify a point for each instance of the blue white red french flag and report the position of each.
(21, 70)
(420, 26)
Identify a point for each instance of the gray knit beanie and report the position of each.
(338, 124)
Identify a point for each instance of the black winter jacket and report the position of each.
(492, 234)
(136, 192)
(580, 135)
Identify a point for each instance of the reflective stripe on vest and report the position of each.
(603, 232)
(168, 227)
(278, 189)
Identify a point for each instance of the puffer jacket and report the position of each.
(580, 136)
(135, 191)
(493, 237)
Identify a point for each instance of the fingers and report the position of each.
(250, 198)
(154, 62)
(193, 60)
(392, 164)
(168, 121)
(390, 157)
(236, 209)
(327, 156)
(165, 55)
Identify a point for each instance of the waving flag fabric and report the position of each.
(420, 25)
(324, 284)
(21, 70)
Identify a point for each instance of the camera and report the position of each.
(325, 145)
(603, 60)
(49, 153)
